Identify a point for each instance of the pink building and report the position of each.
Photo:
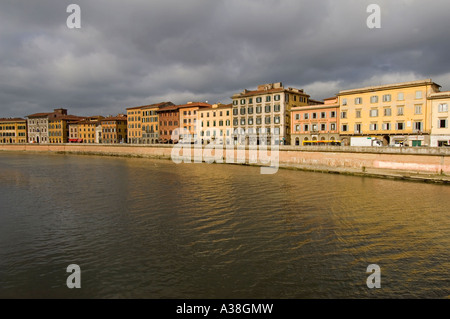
(315, 122)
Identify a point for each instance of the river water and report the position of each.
(141, 228)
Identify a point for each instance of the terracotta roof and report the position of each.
(168, 108)
(194, 104)
(67, 117)
(162, 104)
(248, 93)
(388, 87)
(115, 118)
(16, 119)
(39, 115)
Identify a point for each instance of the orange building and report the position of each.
(143, 123)
(58, 128)
(169, 120)
(189, 117)
(319, 122)
(114, 129)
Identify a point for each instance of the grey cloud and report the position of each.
(139, 52)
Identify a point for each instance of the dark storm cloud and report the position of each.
(130, 53)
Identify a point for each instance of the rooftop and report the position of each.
(389, 87)
(162, 104)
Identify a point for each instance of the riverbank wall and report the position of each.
(415, 164)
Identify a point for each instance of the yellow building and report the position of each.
(114, 129)
(58, 128)
(215, 124)
(86, 129)
(13, 131)
(143, 123)
(397, 114)
(440, 114)
(266, 110)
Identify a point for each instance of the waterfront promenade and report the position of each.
(416, 164)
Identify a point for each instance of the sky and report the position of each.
(136, 52)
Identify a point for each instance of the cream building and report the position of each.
(265, 110)
(440, 130)
(215, 124)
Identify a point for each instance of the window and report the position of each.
(344, 101)
(259, 109)
(235, 111)
(400, 126)
(242, 101)
(323, 115)
(358, 100)
(418, 109)
(243, 121)
(276, 131)
(387, 98)
(297, 128)
(374, 99)
(386, 126)
(276, 108)
(418, 94)
(442, 123)
(374, 113)
(443, 108)
(268, 98)
(399, 110)
(323, 127)
(250, 100)
(306, 116)
(306, 128)
(276, 120)
(344, 128)
(358, 129)
(297, 116)
(258, 120)
(267, 109)
(250, 121)
(387, 112)
(358, 114)
(332, 114)
(242, 110)
(418, 126)
(250, 110)
(277, 97)
(258, 99)
(314, 115)
(400, 96)
(373, 126)
(343, 114)
(235, 122)
(267, 120)
(333, 127)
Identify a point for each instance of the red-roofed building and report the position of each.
(13, 130)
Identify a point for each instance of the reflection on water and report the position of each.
(153, 229)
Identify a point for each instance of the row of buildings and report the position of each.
(409, 113)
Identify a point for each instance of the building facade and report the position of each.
(397, 114)
(114, 129)
(38, 125)
(215, 124)
(189, 119)
(169, 121)
(143, 123)
(13, 131)
(440, 130)
(265, 110)
(318, 122)
(87, 129)
(58, 128)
